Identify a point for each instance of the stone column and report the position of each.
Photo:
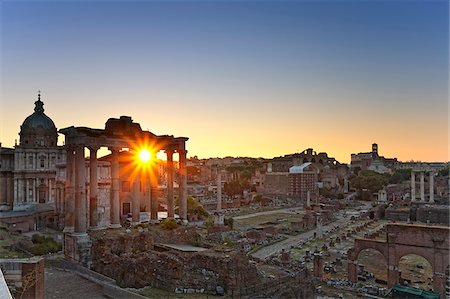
(219, 190)
(27, 192)
(170, 204)
(16, 192)
(135, 201)
(80, 194)
(183, 184)
(35, 185)
(317, 265)
(9, 191)
(69, 198)
(308, 199)
(154, 187)
(345, 185)
(413, 185)
(352, 271)
(431, 187)
(115, 199)
(93, 187)
(422, 186)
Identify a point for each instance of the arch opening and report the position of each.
(415, 271)
(372, 267)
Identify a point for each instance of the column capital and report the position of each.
(114, 148)
(182, 151)
(93, 147)
(169, 153)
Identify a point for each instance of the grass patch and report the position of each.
(275, 217)
(258, 247)
(43, 245)
(155, 293)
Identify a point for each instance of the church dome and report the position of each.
(38, 130)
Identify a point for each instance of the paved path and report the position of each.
(60, 284)
(292, 210)
(294, 240)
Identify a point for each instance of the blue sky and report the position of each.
(256, 78)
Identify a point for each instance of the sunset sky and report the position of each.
(239, 78)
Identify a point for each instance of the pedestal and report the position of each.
(219, 218)
(77, 247)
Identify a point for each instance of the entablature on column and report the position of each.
(122, 133)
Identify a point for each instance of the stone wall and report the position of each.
(433, 214)
(131, 260)
(276, 183)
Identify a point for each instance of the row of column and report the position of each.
(422, 186)
(26, 190)
(76, 215)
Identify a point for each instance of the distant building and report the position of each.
(329, 173)
(30, 178)
(372, 161)
(303, 179)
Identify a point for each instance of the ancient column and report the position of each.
(115, 200)
(308, 199)
(183, 184)
(136, 202)
(352, 270)
(431, 187)
(35, 185)
(317, 265)
(154, 187)
(319, 228)
(413, 185)
(93, 187)
(80, 194)
(170, 204)
(69, 198)
(28, 198)
(219, 190)
(9, 191)
(422, 186)
(345, 185)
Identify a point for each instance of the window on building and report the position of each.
(42, 163)
(125, 186)
(30, 160)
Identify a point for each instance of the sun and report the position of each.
(144, 155)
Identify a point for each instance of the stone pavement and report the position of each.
(61, 284)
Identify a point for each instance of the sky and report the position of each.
(239, 78)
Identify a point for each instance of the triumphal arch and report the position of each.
(429, 242)
(119, 135)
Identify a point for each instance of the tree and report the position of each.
(369, 180)
(233, 188)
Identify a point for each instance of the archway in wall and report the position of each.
(372, 266)
(416, 271)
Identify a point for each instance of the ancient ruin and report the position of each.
(430, 242)
(119, 134)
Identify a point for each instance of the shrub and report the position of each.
(169, 224)
(43, 245)
(37, 239)
(209, 222)
(228, 221)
